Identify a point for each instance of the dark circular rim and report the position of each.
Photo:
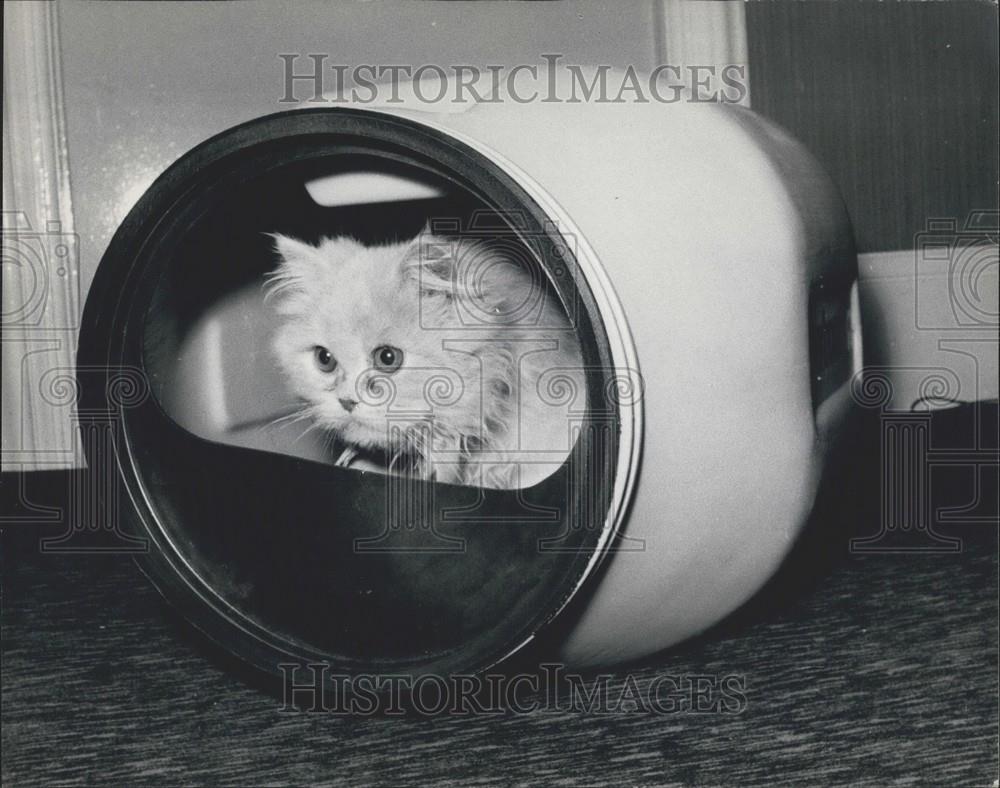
(122, 289)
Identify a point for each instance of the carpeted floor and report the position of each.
(850, 668)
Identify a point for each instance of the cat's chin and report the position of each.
(362, 434)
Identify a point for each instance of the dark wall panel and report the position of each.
(898, 100)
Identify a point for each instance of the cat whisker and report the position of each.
(290, 418)
(309, 428)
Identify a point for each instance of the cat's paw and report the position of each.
(363, 465)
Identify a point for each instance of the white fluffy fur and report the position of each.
(469, 404)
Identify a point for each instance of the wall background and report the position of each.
(898, 100)
(145, 82)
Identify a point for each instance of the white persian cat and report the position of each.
(443, 357)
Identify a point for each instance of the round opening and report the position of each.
(273, 526)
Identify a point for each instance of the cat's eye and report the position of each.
(324, 359)
(387, 358)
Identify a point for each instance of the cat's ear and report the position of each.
(296, 260)
(293, 251)
(431, 261)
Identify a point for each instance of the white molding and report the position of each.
(41, 303)
(929, 324)
(703, 33)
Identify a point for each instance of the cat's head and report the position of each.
(371, 339)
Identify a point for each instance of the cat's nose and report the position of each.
(347, 404)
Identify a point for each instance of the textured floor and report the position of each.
(850, 669)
